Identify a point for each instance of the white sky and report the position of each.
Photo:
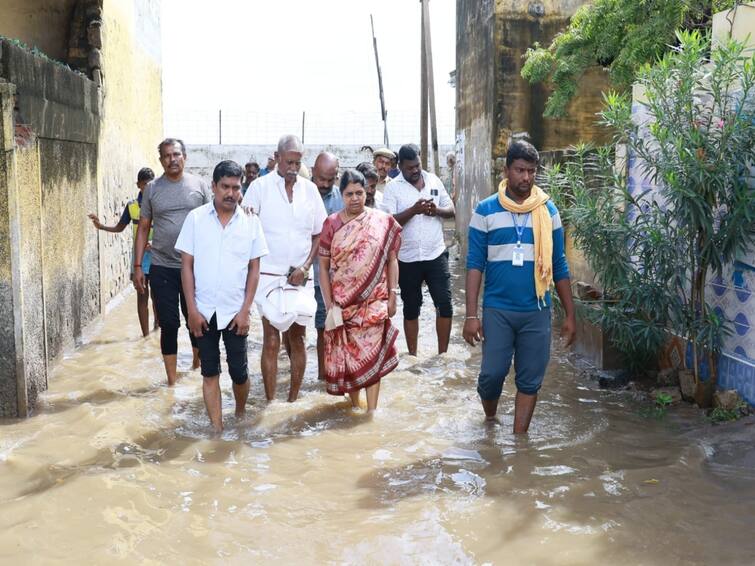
(265, 62)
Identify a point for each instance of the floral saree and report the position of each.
(363, 350)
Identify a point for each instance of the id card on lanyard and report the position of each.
(517, 257)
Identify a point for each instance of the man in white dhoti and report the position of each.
(292, 213)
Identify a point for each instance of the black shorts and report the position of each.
(167, 292)
(436, 274)
(235, 352)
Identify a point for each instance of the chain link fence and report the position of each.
(237, 127)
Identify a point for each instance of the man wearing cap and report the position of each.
(382, 160)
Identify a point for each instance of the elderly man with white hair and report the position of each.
(292, 213)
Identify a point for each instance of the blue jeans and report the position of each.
(320, 314)
(525, 336)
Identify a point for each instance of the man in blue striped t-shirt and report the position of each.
(516, 239)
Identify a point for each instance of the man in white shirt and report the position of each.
(220, 249)
(291, 211)
(419, 201)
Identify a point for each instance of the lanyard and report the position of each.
(519, 229)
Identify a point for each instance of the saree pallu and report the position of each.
(363, 350)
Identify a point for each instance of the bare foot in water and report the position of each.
(354, 398)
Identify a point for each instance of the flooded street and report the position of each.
(117, 466)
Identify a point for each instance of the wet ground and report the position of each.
(116, 467)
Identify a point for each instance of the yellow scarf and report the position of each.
(542, 228)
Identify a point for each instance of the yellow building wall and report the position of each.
(738, 23)
(43, 24)
(132, 124)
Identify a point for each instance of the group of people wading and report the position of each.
(308, 251)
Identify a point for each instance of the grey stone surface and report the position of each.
(668, 377)
(55, 101)
(687, 384)
(727, 400)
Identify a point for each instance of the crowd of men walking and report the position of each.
(335, 249)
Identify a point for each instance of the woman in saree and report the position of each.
(359, 282)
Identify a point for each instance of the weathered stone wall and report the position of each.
(39, 23)
(519, 104)
(132, 125)
(62, 110)
(77, 149)
(23, 363)
(475, 97)
(494, 101)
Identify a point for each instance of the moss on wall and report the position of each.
(82, 155)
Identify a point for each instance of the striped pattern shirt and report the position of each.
(492, 241)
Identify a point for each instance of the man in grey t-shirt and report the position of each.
(166, 202)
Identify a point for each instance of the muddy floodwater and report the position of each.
(117, 468)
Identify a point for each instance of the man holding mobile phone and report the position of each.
(419, 202)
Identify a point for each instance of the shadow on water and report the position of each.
(154, 447)
(96, 398)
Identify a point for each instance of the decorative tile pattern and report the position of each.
(731, 294)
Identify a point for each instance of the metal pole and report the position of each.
(431, 86)
(303, 117)
(423, 94)
(383, 112)
(220, 127)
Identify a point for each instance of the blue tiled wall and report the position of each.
(732, 295)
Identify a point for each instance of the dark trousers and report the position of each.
(168, 296)
(436, 274)
(523, 336)
(235, 352)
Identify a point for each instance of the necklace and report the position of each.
(349, 217)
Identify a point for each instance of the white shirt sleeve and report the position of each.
(252, 198)
(390, 200)
(444, 200)
(259, 244)
(320, 213)
(185, 241)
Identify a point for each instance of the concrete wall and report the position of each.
(201, 159)
(132, 124)
(23, 363)
(62, 110)
(72, 145)
(475, 104)
(39, 23)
